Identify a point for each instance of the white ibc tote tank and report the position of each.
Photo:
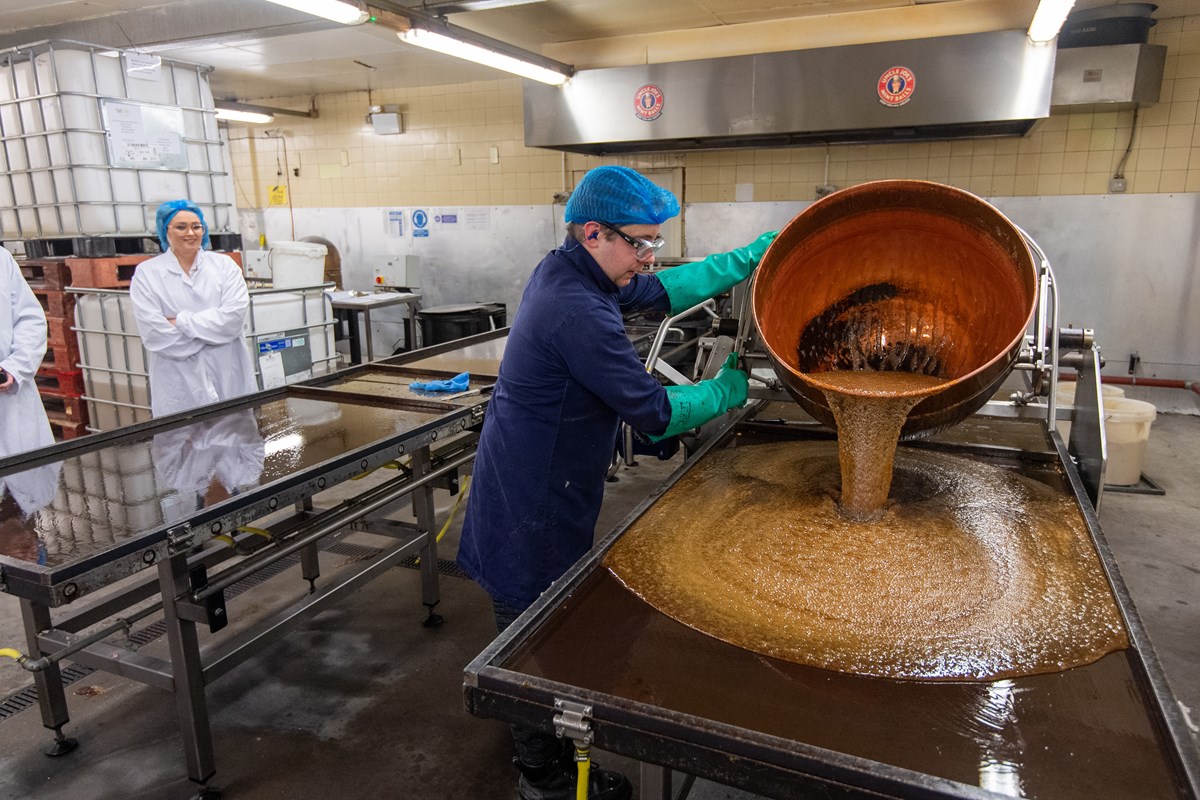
(95, 139)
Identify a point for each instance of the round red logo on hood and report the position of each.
(896, 86)
(648, 102)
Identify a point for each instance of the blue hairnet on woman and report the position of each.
(167, 212)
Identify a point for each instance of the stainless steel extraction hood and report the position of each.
(984, 84)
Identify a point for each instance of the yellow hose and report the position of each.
(8, 652)
(453, 509)
(388, 465)
(583, 765)
(266, 534)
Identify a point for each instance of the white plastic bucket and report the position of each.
(296, 264)
(1064, 395)
(1127, 429)
(1064, 392)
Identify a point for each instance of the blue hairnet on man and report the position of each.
(569, 376)
(190, 305)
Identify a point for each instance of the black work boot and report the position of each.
(556, 781)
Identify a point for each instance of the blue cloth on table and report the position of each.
(458, 383)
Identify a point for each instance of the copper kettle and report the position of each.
(897, 275)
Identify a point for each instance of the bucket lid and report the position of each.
(1116, 11)
(300, 248)
(1126, 409)
(460, 308)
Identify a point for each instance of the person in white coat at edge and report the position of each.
(190, 304)
(23, 423)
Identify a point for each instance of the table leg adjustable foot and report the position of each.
(62, 744)
(434, 620)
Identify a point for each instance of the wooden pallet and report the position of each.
(104, 273)
(66, 428)
(114, 245)
(62, 357)
(53, 273)
(60, 382)
(60, 331)
(91, 246)
(65, 408)
(55, 302)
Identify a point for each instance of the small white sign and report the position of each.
(477, 219)
(393, 221)
(271, 365)
(142, 66)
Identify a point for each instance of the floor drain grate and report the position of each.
(444, 567)
(27, 697)
(18, 701)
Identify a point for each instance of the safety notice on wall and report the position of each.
(279, 195)
(477, 219)
(420, 223)
(393, 222)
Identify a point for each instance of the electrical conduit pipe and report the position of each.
(1158, 383)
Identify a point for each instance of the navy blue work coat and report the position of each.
(569, 373)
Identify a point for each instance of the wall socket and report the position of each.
(1116, 185)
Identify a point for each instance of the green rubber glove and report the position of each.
(692, 406)
(689, 284)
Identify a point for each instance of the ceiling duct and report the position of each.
(984, 84)
(1116, 73)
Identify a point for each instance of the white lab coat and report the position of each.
(23, 424)
(202, 358)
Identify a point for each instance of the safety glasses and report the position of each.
(642, 248)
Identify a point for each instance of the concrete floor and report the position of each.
(362, 701)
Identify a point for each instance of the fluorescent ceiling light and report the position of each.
(1049, 19)
(482, 55)
(343, 11)
(235, 111)
(461, 6)
(233, 115)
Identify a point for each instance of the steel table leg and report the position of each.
(367, 325)
(51, 698)
(310, 567)
(412, 322)
(422, 505)
(187, 670)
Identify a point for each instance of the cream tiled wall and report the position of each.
(464, 145)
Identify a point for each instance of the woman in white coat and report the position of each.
(23, 424)
(190, 304)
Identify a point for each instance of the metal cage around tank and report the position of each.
(94, 139)
(114, 362)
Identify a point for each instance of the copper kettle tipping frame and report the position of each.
(897, 275)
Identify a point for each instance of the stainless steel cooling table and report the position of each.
(174, 497)
(591, 658)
